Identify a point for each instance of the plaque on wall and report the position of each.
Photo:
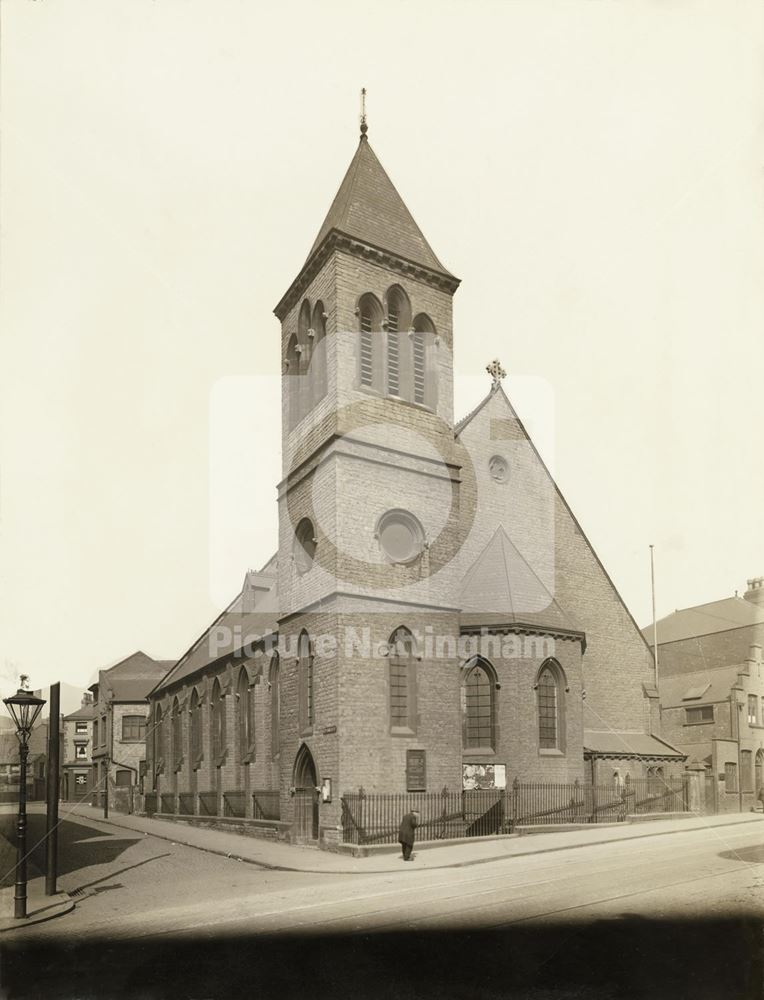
(416, 771)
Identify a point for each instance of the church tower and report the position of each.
(368, 505)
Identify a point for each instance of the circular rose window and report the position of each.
(304, 545)
(400, 535)
(499, 469)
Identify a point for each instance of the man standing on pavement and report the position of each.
(406, 835)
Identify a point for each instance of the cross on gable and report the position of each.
(496, 372)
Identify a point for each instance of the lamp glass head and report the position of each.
(24, 709)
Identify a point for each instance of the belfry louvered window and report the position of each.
(393, 353)
(367, 373)
(419, 366)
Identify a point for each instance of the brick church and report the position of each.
(434, 615)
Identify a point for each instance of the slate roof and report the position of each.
(86, 712)
(367, 207)
(131, 679)
(706, 619)
(502, 587)
(231, 631)
(626, 744)
(680, 690)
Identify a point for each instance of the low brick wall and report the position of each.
(263, 828)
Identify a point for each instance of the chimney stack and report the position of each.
(755, 592)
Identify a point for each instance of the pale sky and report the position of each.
(592, 171)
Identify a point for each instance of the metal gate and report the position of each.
(484, 812)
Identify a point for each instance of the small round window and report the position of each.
(499, 469)
(304, 545)
(400, 535)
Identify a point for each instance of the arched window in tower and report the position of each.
(370, 342)
(176, 748)
(245, 705)
(550, 700)
(305, 678)
(402, 681)
(478, 705)
(305, 545)
(425, 382)
(273, 678)
(195, 736)
(318, 354)
(292, 377)
(398, 345)
(217, 724)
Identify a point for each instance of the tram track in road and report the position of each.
(309, 917)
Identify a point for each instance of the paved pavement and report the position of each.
(39, 906)
(435, 854)
(658, 916)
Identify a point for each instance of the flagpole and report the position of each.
(655, 621)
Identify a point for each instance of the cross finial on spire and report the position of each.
(496, 372)
(364, 126)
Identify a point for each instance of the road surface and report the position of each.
(669, 916)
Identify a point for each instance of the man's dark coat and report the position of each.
(406, 831)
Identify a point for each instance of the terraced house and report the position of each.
(711, 682)
(434, 616)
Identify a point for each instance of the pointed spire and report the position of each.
(364, 125)
(367, 207)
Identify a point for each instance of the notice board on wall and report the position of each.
(416, 771)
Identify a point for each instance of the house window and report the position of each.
(402, 681)
(746, 770)
(95, 732)
(730, 777)
(305, 674)
(245, 704)
(478, 707)
(80, 751)
(699, 714)
(752, 705)
(124, 779)
(759, 768)
(103, 730)
(80, 728)
(133, 727)
(275, 706)
(196, 727)
(549, 706)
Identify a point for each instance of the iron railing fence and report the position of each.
(234, 804)
(185, 804)
(208, 803)
(655, 795)
(167, 802)
(375, 818)
(266, 804)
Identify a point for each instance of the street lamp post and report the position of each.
(24, 708)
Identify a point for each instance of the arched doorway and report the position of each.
(305, 780)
